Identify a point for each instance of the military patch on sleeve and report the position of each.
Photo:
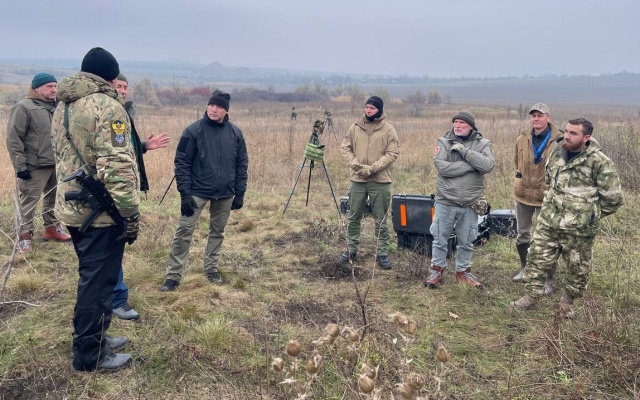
(437, 150)
(118, 130)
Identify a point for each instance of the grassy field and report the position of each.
(283, 284)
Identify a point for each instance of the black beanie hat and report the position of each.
(376, 102)
(220, 98)
(466, 117)
(100, 62)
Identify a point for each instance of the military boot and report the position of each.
(523, 249)
(565, 307)
(526, 302)
(549, 287)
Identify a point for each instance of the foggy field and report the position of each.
(218, 342)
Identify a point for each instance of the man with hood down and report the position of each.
(462, 158)
(370, 147)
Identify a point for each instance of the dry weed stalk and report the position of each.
(412, 382)
(289, 370)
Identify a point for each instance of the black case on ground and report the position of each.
(412, 217)
(503, 222)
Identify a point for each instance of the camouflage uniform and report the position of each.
(101, 131)
(581, 192)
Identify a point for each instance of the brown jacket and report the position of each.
(529, 188)
(371, 143)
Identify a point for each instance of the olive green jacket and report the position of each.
(29, 135)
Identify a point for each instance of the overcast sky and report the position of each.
(439, 38)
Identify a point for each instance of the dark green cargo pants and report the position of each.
(380, 196)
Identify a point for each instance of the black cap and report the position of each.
(220, 98)
(376, 102)
(100, 62)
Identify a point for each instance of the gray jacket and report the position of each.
(29, 135)
(461, 178)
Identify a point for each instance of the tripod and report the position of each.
(313, 153)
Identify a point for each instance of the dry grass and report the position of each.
(205, 341)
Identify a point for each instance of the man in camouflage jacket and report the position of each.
(583, 188)
(91, 130)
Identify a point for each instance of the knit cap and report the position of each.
(220, 98)
(466, 117)
(376, 102)
(42, 78)
(100, 62)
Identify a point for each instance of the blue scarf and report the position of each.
(537, 152)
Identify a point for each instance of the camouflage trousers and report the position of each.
(547, 246)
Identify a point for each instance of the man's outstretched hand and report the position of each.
(157, 142)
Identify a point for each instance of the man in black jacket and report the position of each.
(210, 167)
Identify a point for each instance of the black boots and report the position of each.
(523, 249)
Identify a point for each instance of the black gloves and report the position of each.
(237, 203)
(131, 228)
(187, 205)
(26, 174)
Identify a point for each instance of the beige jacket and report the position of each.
(371, 143)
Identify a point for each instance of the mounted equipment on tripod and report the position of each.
(313, 152)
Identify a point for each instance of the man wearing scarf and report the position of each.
(533, 147)
(31, 152)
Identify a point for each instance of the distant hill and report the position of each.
(619, 88)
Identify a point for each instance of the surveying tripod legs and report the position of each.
(331, 187)
(311, 166)
(295, 184)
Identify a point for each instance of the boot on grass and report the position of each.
(24, 244)
(523, 249)
(526, 302)
(468, 278)
(435, 278)
(55, 233)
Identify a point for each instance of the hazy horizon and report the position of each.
(463, 38)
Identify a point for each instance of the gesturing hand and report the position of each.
(157, 142)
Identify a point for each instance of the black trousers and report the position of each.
(99, 261)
